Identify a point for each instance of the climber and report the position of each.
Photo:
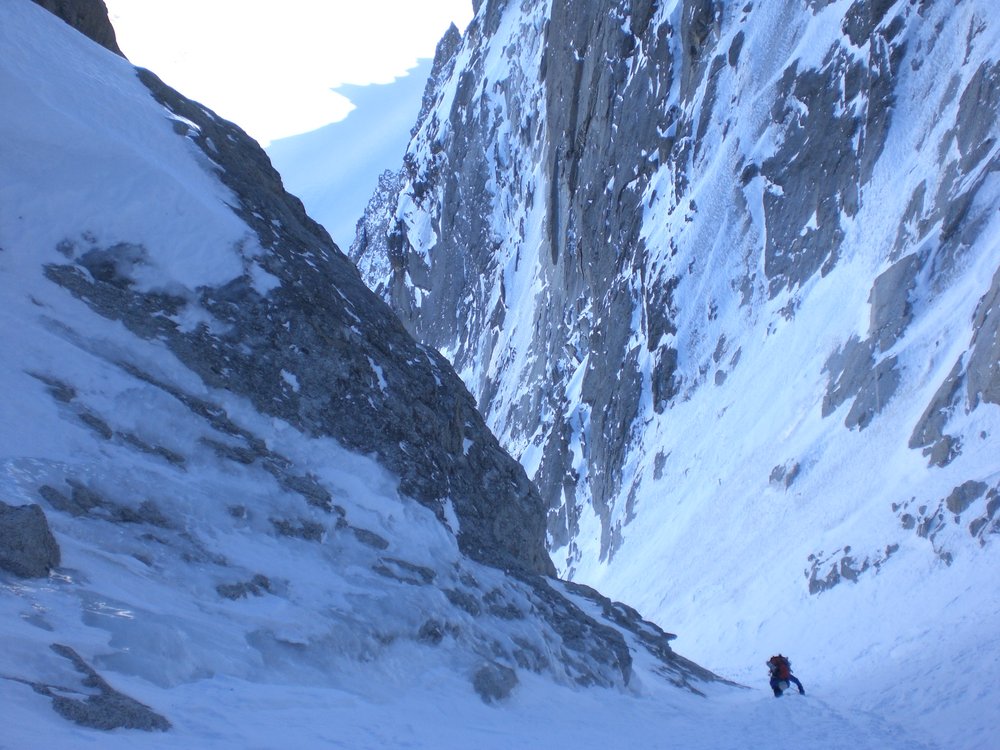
(781, 675)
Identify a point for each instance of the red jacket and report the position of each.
(780, 667)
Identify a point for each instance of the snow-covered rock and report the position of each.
(263, 492)
(724, 277)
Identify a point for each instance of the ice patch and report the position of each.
(291, 380)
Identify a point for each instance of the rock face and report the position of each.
(321, 352)
(611, 204)
(257, 473)
(494, 682)
(27, 547)
(89, 17)
(103, 707)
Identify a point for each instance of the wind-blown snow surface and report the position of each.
(749, 395)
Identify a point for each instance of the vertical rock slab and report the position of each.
(27, 547)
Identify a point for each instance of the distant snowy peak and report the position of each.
(624, 222)
(334, 169)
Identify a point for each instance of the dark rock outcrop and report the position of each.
(974, 379)
(89, 17)
(105, 709)
(256, 586)
(27, 547)
(984, 361)
(827, 570)
(494, 682)
(972, 504)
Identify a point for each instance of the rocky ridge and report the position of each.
(608, 202)
(232, 459)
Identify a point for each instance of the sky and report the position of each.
(271, 66)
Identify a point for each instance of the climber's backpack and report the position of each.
(781, 667)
